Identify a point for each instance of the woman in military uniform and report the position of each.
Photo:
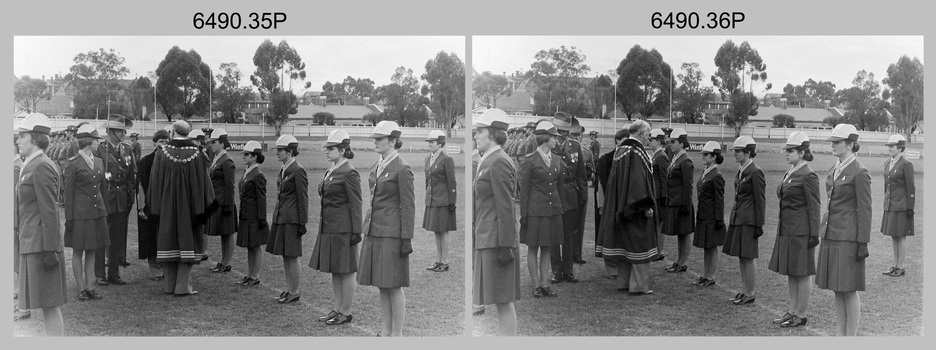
(224, 222)
(899, 202)
(290, 215)
(678, 216)
(253, 231)
(747, 217)
(439, 216)
(710, 218)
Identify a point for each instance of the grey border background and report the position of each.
(475, 17)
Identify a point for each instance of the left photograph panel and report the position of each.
(169, 186)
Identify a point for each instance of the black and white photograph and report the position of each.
(714, 185)
(239, 186)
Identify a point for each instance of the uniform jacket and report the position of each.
(137, 149)
(711, 190)
(848, 213)
(679, 183)
(222, 182)
(341, 201)
(252, 188)
(120, 164)
(800, 209)
(595, 148)
(660, 164)
(575, 187)
(899, 189)
(392, 210)
(37, 207)
(750, 199)
(603, 168)
(495, 221)
(440, 181)
(85, 189)
(292, 198)
(541, 186)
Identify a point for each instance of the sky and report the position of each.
(326, 58)
(789, 59)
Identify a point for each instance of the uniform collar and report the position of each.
(32, 156)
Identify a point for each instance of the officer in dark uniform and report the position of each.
(575, 194)
(594, 145)
(588, 159)
(120, 173)
(135, 147)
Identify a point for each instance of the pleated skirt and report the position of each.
(250, 235)
(492, 282)
(791, 257)
(333, 253)
(741, 241)
(40, 287)
(896, 224)
(382, 264)
(839, 269)
(676, 223)
(88, 234)
(438, 219)
(707, 235)
(542, 231)
(284, 240)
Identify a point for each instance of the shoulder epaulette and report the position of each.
(529, 154)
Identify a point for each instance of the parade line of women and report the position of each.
(371, 249)
(632, 198)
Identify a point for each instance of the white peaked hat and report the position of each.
(194, 134)
(657, 134)
(844, 132)
(742, 142)
(253, 147)
(386, 128)
(896, 140)
(796, 139)
(36, 122)
(338, 137)
(218, 134)
(286, 140)
(88, 130)
(436, 135)
(492, 118)
(546, 128)
(711, 147)
(679, 133)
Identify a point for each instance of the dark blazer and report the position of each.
(495, 221)
(252, 189)
(341, 201)
(799, 204)
(679, 183)
(37, 207)
(440, 181)
(85, 189)
(222, 181)
(848, 214)
(899, 188)
(660, 164)
(541, 186)
(603, 168)
(120, 163)
(575, 188)
(392, 211)
(292, 198)
(750, 198)
(711, 191)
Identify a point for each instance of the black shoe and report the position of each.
(795, 321)
(898, 272)
(538, 292)
(339, 319)
(157, 278)
(242, 281)
(441, 267)
(659, 257)
(83, 296)
(569, 277)
(786, 317)
(252, 282)
(281, 296)
(678, 268)
(579, 261)
(289, 298)
(737, 297)
(93, 293)
(331, 315)
(746, 299)
(671, 267)
(708, 282)
(101, 281)
(204, 257)
(640, 293)
(611, 277)
(21, 314)
(699, 281)
(478, 311)
(116, 281)
(124, 263)
(433, 267)
(557, 278)
(549, 292)
(623, 289)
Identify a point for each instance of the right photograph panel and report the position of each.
(697, 185)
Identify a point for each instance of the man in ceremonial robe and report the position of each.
(181, 196)
(628, 234)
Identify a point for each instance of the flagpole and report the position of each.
(671, 99)
(209, 97)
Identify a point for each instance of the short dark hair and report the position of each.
(344, 149)
(159, 135)
(622, 134)
(855, 146)
(440, 142)
(497, 135)
(543, 138)
(40, 140)
(749, 151)
(84, 142)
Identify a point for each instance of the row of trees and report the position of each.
(645, 84)
(185, 88)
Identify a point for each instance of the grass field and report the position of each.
(435, 301)
(890, 306)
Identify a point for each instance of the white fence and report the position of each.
(610, 126)
(147, 128)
